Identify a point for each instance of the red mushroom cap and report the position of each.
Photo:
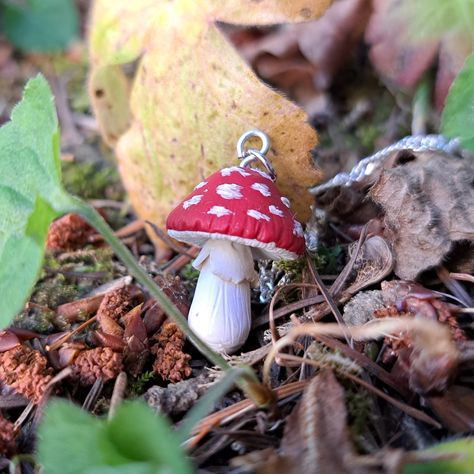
(242, 205)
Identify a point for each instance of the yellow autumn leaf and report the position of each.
(192, 97)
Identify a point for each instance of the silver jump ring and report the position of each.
(253, 155)
(242, 153)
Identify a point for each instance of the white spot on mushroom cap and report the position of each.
(200, 185)
(234, 169)
(275, 210)
(285, 201)
(262, 173)
(229, 191)
(261, 188)
(297, 229)
(192, 201)
(219, 211)
(257, 215)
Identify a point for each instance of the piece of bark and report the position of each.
(179, 397)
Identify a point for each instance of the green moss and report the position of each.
(36, 318)
(358, 408)
(64, 279)
(140, 384)
(293, 267)
(92, 180)
(329, 259)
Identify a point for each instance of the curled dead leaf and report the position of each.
(374, 262)
(428, 202)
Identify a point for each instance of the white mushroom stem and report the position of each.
(220, 311)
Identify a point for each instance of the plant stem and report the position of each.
(248, 383)
(96, 220)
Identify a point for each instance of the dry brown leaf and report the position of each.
(330, 41)
(136, 339)
(428, 200)
(302, 59)
(316, 438)
(404, 58)
(192, 97)
(455, 408)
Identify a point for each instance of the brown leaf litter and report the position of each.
(424, 203)
(70, 232)
(315, 430)
(303, 59)
(7, 437)
(428, 204)
(171, 362)
(26, 370)
(100, 362)
(403, 57)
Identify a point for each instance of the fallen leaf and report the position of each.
(135, 336)
(328, 43)
(407, 38)
(192, 97)
(302, 59)
(316, 438)
(428, 201)
(455, 408)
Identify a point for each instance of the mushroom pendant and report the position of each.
(236, 215)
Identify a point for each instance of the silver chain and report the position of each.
(374, 162)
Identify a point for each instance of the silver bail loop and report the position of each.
(250, 155)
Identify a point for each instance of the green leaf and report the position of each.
(142, 436)
(40, 25)
(135, 441)
(31, 194)
(463, 462)
(70, 440)
(458, 115)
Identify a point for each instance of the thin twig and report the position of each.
(419, 415)
(117, 394)
(57, 344)
(287, 309)
(454, 286)
(462, 276)
(271, 313)
(168, 241)
(327, 296)
(93, 394)
(347, 270)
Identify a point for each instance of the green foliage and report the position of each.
(426, 19)
(458, 114)
(31, 195)
(134, 441)
(328, 259)
(462, 462)
(39, 25)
